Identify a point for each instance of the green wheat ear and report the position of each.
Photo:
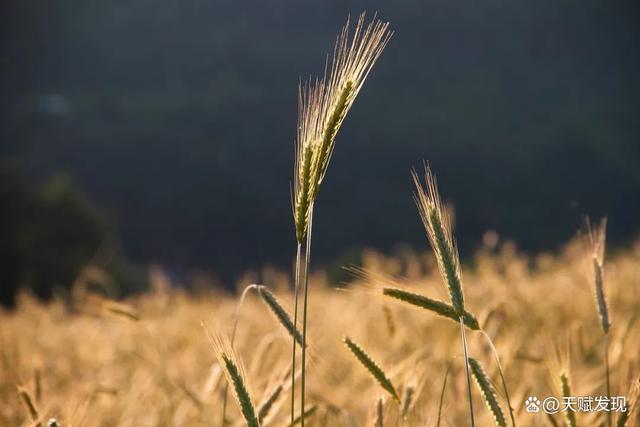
(234, 373)
(373, 368)
(488, 392)
(569, 415)
(438, 307)
(281, 314)
(437, 224)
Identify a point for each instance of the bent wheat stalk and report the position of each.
(322, 107)
(438, 227)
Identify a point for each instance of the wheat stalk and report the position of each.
(488, 392)
(565, 387)
(281, 314)
(442, 390)
(371, 366)
(435, 306)
(310, 410)
(322, 107)
(438, 226)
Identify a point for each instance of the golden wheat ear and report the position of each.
(323, 105)
(437, 224)
(596, 238)
(234, 372)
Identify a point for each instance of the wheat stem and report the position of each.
(607, 375)
(466, 365)
(295, 324)
(305, 299)
(444, 386)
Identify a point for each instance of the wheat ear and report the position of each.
(371, 366)
(234, 373)
(488, 392)
(267, 404)
(565, 386)
(322, 108)
(438, 307)
(236, 320)
(379, 419)
(281, 314)
(30, 404)
(437, 224)
(634, 394)
(407, 400)
(596, 244)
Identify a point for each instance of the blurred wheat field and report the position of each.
(147, 361)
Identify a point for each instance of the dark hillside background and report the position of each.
(176, 120)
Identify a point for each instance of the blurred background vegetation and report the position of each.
(136, 132)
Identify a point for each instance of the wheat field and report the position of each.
(87, 361)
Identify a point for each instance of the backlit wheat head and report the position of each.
(323, 105)
(234, 371)
(596, 244)
(438, 227)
